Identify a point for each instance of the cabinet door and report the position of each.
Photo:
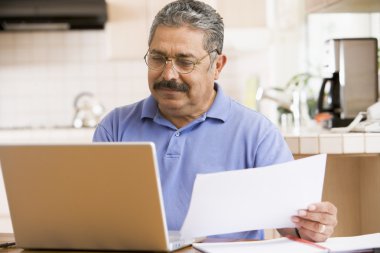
(244, 13)
(127, 29)
(156, 5)
(315, 5)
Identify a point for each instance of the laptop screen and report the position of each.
(101, 196)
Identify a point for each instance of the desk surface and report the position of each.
(17, 250)
(184, 250)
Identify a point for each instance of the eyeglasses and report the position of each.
(182, 65)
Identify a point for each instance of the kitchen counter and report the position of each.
(333, 143)
(47, 135)
(303, 143)
(352, 178)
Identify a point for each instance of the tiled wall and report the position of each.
(42, 72)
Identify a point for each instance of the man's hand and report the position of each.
(317, 222)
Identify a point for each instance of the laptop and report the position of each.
(100, 196)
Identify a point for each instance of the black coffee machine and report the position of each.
(351, 82)
(329, 101)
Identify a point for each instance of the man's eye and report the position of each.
(184, 63)
(157, 58)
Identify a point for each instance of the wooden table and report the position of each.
(188, 249)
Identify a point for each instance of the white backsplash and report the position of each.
(41, 73)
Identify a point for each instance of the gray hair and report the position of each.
(195, 14)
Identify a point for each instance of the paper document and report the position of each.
(284, 245)
(250, 199)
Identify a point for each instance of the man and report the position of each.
(195, 127)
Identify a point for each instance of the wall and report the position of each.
(41, 73)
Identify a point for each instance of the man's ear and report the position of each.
(220, 62)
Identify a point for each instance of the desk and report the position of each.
(17, 250)
(185, 250)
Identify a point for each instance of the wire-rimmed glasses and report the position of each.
(183, 65)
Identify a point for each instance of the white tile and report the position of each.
(372, 142)
(54, 38)
(38, 39)
(73, 54)
(56, 54)
(331, 143)
(7, 56)
(353, 143)
(91, 37)
(7, 39)
(71, 71)
(89, 53)
(309, 144)
(72, 38)
(39, 54)
(293, 143)
(22, 38)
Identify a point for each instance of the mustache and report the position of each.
(172, 85)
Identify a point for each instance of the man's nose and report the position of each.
(169, 72)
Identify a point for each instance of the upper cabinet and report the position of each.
(244, 14)
(127, 29)
(331, 6)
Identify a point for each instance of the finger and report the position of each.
(311, 235)
(306, 224)
(316, 227)
(323, 218)
(323, 207)
(322, 228)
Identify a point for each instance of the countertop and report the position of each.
(47, 135)
(324, 141)
(307, 141)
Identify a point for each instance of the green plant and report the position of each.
(300, 81)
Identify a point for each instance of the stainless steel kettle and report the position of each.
(88, 110)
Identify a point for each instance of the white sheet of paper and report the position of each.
(284, 245)
(250, 199)
(344, 244)
(280, 245)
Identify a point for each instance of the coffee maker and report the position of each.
(350, 85)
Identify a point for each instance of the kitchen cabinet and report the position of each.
(127, 29)
(129, 21)
(242, 14)
(317, 5)
(352, 179)
(330, 6)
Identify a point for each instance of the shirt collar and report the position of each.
(150, 108)
(219, 109)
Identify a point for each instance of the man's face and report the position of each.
(197, 87)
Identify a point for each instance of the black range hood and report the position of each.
(16, 15)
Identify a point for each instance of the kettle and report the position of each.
(88, 110)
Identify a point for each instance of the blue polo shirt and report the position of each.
(228, 136)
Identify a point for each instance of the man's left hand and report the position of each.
(317, 222)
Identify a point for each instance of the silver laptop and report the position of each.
(101, 196)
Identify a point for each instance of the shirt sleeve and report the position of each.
(104, 130)
(101, 134)
(272, 149)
